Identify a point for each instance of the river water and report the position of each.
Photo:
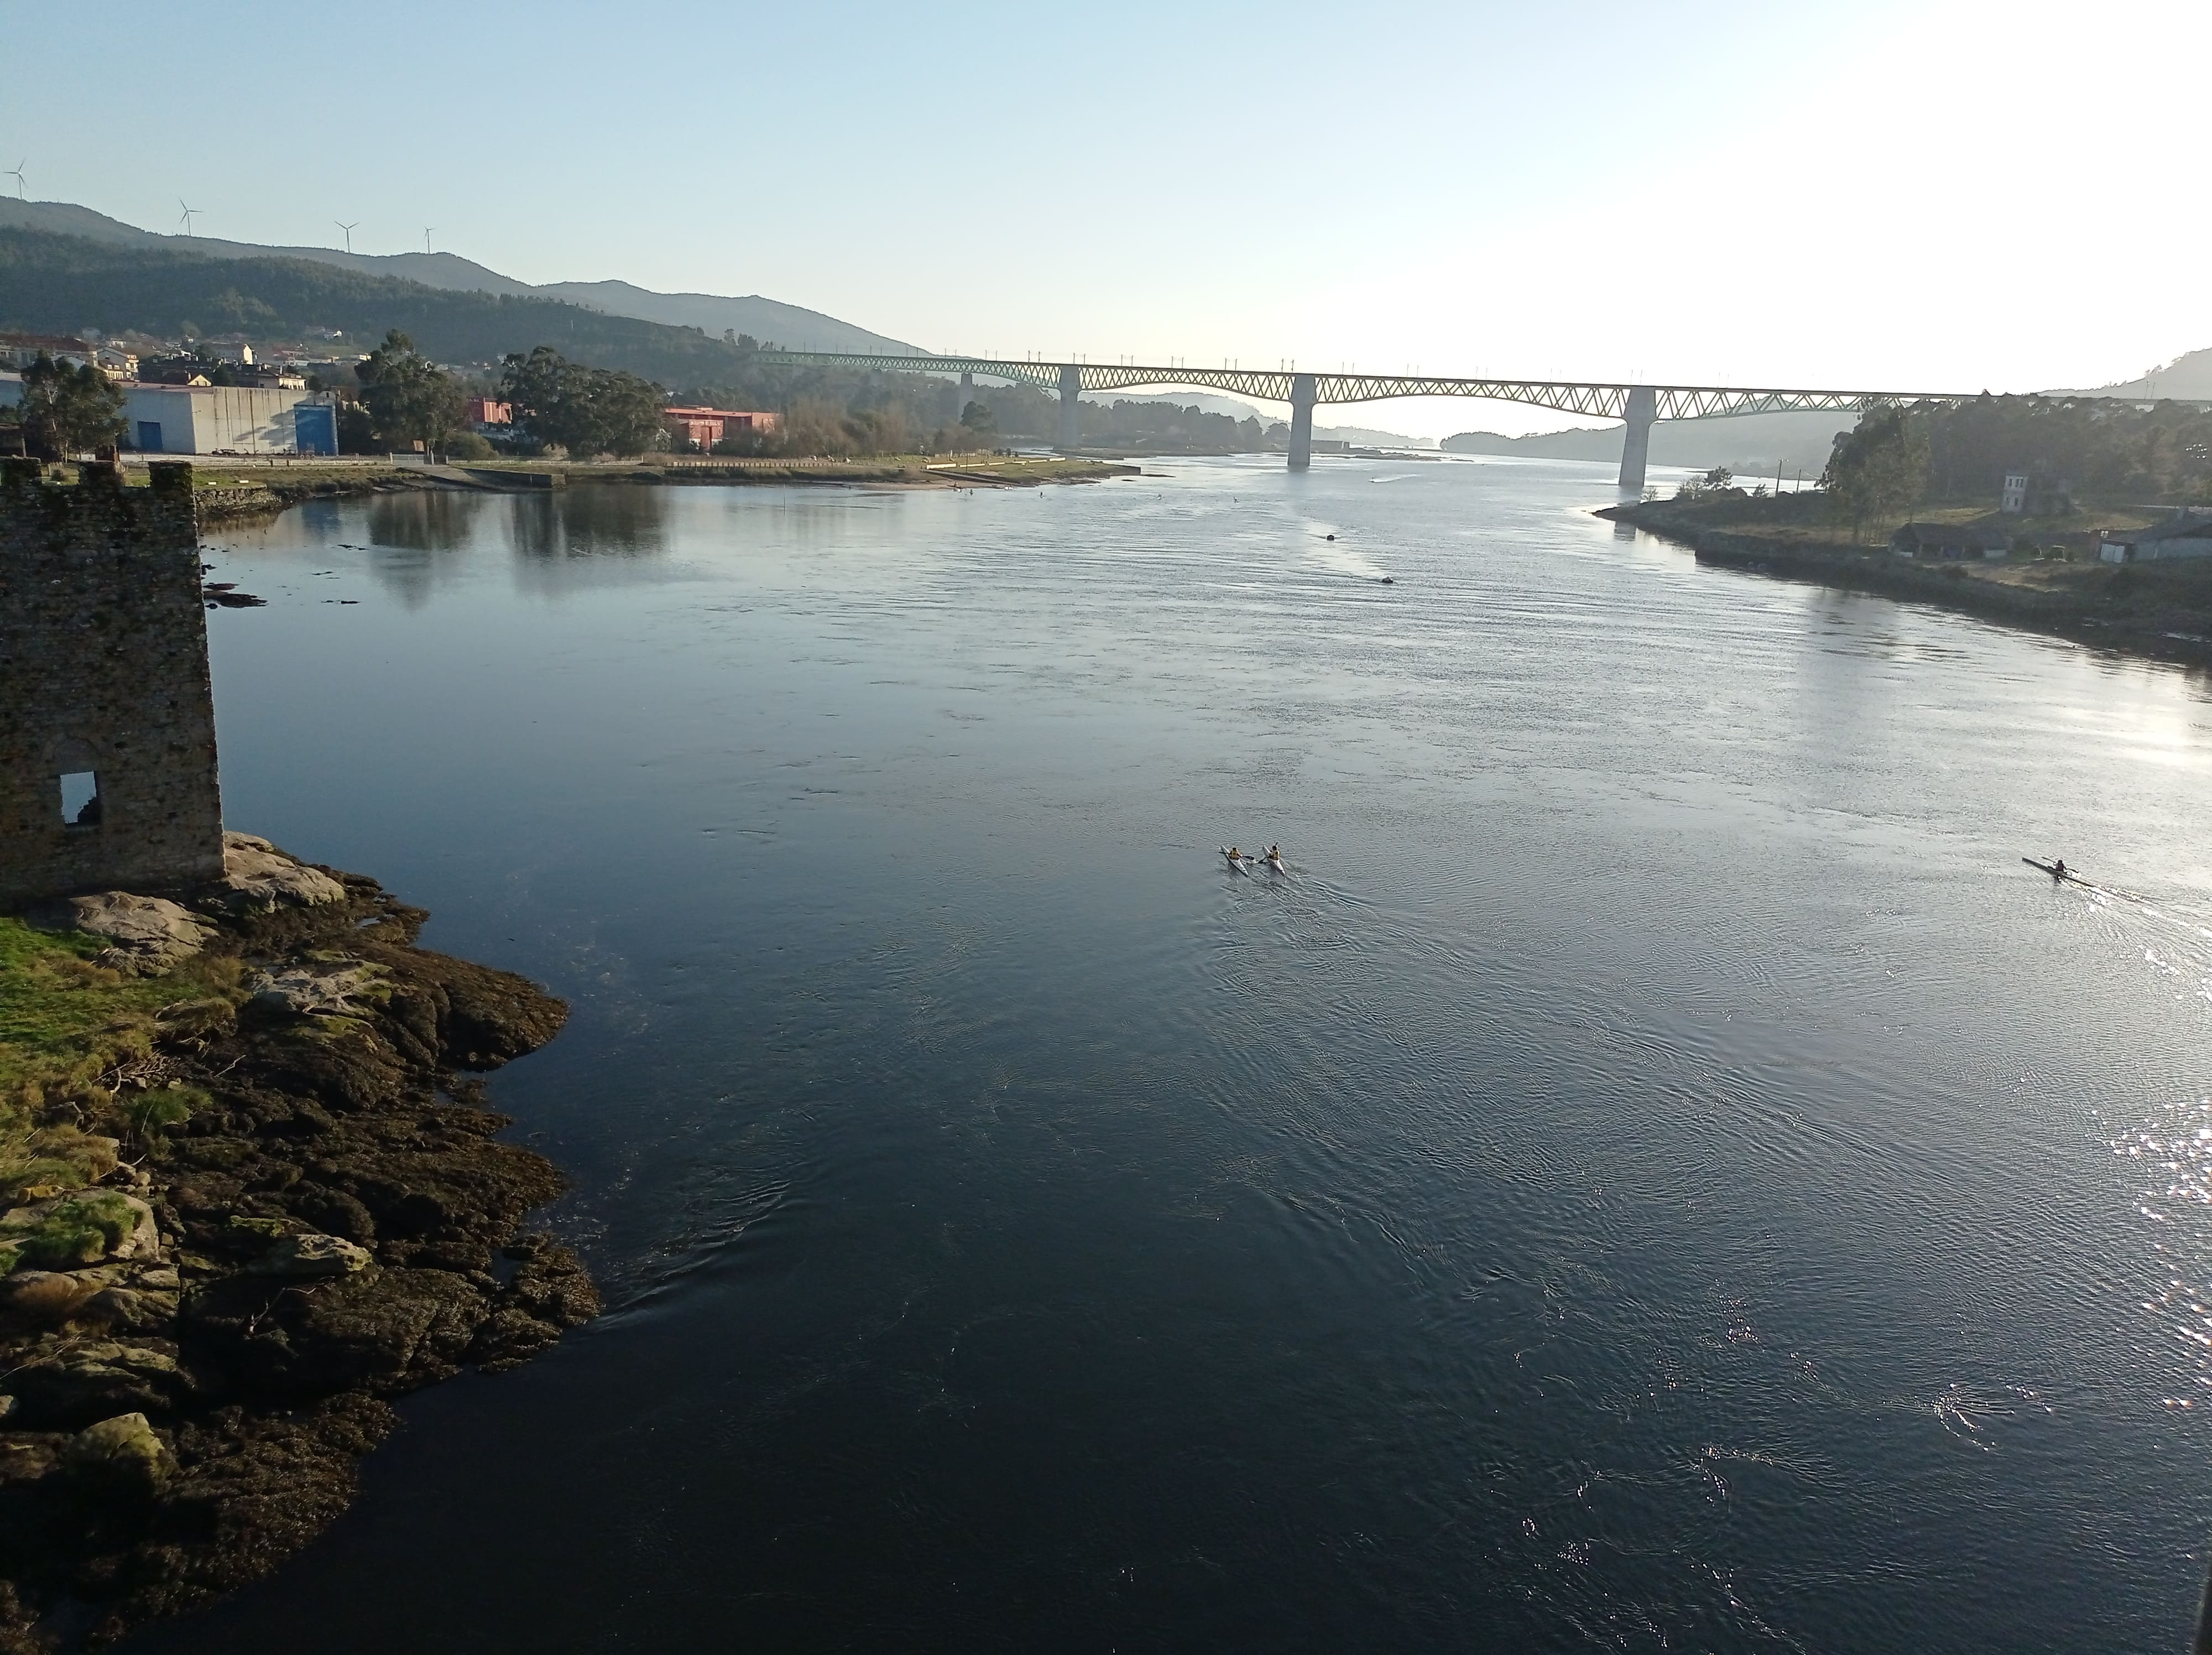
(1657, 1173)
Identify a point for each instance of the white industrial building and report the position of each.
(2184, 534)
(216, 419)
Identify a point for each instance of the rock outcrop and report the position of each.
(259, 878)
(195, 1353)
(149, 935)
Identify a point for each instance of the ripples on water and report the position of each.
(1658, 1173)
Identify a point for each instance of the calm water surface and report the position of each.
(1658, 1174)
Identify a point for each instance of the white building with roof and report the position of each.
(2184, 534)
(216, 419)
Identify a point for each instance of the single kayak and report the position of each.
(2052, 869)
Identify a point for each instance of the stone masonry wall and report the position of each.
(104, 667)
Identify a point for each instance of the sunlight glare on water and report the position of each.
(1657, 1173)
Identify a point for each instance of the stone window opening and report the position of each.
(81, 799)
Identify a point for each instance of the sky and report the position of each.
(1944, 196)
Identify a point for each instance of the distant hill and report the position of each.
(2185, 379)
(1751, 444)
(1367, 436)
(1756, 442)
(790, 326)
(60, 284)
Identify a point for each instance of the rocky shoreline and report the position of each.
(2160, 611)
(203, 1323)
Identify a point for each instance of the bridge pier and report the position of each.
(967, 396)
(1643, 413)
(1303, 392)
(1071, 408)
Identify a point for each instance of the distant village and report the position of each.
(227, 396)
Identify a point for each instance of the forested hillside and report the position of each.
(65, 284)
(61, 284)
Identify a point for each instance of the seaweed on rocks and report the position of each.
(197, 1353)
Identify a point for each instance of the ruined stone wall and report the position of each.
(103, 668)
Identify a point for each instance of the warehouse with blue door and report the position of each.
(217, 419)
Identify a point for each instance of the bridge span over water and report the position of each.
(1638, 407)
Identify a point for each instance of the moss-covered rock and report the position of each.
(72, 1230)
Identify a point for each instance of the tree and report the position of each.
(978, 424)
(67, 410)
(409, 397)
(356, 435)
(586, 411)
(1879, 469)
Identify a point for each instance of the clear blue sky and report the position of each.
(1943, 195)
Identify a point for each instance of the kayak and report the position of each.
(1274, 865)
(2051, 868)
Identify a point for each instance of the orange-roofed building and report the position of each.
(703, 428)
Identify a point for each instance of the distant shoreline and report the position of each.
(2163, 612)
(227, 488)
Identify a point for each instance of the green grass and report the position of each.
(66, 1023)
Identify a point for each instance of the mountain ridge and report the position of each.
(793, 326)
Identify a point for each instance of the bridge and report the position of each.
(1638, 407)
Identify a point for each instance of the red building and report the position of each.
(703, 428)
(483, 410)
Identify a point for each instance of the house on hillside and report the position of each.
(2034, 493)
(2184, 534)
(21, 349)
(700, 429)
(482, 412)
(1952, 541)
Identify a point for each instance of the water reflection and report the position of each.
(1659, 1087)
(425, 522)
(609, 521)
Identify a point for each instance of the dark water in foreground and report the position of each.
(1659, 1173)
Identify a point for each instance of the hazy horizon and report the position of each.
(1715, 194)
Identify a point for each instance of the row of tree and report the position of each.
(404, 399)
(1899, 458)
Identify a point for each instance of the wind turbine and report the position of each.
(185, 218)
(16, 172)
(426, 228)
(348, 229)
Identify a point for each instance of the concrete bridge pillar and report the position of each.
(1635, 445)
(967, 394)
(1304, 391)
(1071, 408)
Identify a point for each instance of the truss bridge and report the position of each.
(1638, 407)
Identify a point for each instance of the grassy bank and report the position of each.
(234, 486)
(72, 1033)
(2162, 609)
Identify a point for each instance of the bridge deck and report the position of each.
(1598, 399)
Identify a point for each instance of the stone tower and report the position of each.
(107, 759)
